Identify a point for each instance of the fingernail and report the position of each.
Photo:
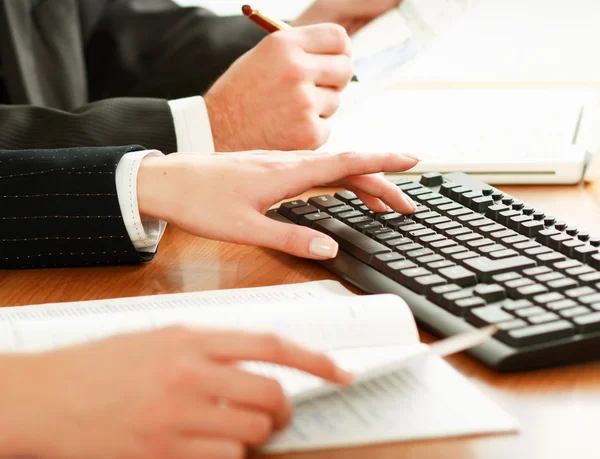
(410, 202)
(322, 247)
(343, 376)
(408, 155)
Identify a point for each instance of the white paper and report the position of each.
(321, 315)
(430, 400)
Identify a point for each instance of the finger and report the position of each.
(327, 101)
(325, 38)
(238, 346)
(375, 204)
(331, 71)
(381, 188)
(335, 167)
(296, 240)
(232, 422)
(200, 448)
(244, 389)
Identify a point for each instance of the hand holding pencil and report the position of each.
(282, 91)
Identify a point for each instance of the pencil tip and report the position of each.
(247, 10)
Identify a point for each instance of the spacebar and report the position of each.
(351, 241)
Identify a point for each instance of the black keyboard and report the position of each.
(471, 256)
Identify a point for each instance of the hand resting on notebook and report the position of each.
(171, 393)
(225, 197)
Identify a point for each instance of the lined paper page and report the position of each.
(312, 316)
(430, 400)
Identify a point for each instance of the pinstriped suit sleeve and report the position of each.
(60, 208)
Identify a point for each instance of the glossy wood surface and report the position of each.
(559, 409)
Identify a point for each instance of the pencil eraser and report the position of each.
(247, 10)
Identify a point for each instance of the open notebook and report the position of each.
(372, 336)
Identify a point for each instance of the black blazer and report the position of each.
(57, 56)
(60, 208)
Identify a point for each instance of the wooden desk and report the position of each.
(559, 409)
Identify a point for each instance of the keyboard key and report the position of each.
(310, 219)
(548, 259)
(350, 240)
(497, 232)
(389, 218)
(407, 229)
(419, 253)
(531, 228)
(522, 246)
(392, 269)
(439, 202)
(422, 233)
(384, 236)
(461, 307)
(430, 259)
(297, 212)
(588, 323)
(285, 208)
(511, 324)
(436, 265)
(409, 186)
(531, 272)
(491, 248)
(325, 202)
(489, 315)
(537, 251)
(563, 284)
(480, 204)
(503, 254)
(345, 196)
(536, 334)
(377, 231)
(432, 238)
(393, 243)
(544, 236)
(568, 264)
(568, 247)
(574, 312)
(339, 209)
(462, 256)
(445, 208)
(437, 221)
(501, 278)
(584, 253)
(562, 304)
(490, 292)
(504, 217)
(542, 318)
(551, 276)
(447, 187)
(579, 270)
(459, 275)
(547, 298)
(469, 237)
(512, 305)
(447, 251)
(453, 233)
(531, 290)
(528, 312)
(353, 222)
(460, 212)
(580, 292)
(494, 211)
(479, 243)
(557, 241)
(590, 278)
(423, 284)
(439, 245)
(515, 240)
(407, 277)
(367, 226)
(445, 227)
(436, 293)
(348, 215)
(518, 220)
(379, 261)
(485, 268)
(589, 299)
(403, 249)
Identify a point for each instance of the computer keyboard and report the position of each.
(470, 256)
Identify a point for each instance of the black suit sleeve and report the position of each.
(122, 121)
(154, 48)
(60, 208)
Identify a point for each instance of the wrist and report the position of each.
(152, 188)
(21, 408)
(220, 125)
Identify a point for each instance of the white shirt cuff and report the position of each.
(192, 125)
(145, 235)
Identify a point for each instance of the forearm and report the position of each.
(111, 122)
(19, 411)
